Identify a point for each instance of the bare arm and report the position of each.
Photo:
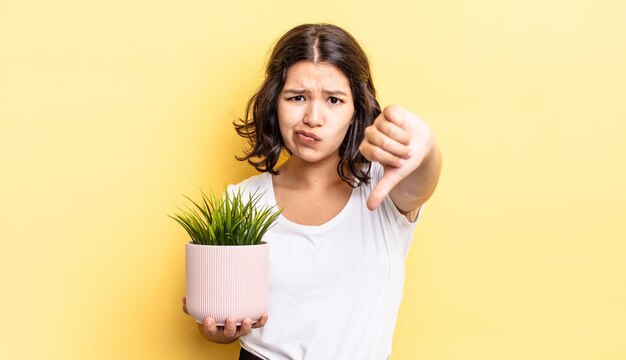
(417, 187)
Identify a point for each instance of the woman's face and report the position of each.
(315, 108)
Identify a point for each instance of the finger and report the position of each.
(376, 137)
(393, 131)
(209, 326)
(395, 114)
(376, 153)
(246, 326)
(230, 329)
(185, 306)
(261, 321)
(384, 186)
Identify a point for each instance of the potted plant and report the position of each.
(227, 263)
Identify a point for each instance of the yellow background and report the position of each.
(111, 110)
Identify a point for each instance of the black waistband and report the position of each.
(246, 355)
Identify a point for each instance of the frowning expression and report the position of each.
(315, 109)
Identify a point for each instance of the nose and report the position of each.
(313, 116)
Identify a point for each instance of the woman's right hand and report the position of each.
(228, 333)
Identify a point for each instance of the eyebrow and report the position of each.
(303, 91)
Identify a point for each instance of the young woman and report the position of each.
(351, 191)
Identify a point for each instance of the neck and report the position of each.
(296, 172)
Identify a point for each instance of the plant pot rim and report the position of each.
(190, 243)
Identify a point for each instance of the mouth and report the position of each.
(307, 136)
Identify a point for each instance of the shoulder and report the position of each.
(260, 184)
(254, 183)
(376, 173)
(388, 207)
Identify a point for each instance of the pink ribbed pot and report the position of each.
(227, 281)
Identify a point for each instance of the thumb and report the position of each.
(384, 186)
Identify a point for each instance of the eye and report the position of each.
(333, 100)
(297, 98)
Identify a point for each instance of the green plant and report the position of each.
(232, 219)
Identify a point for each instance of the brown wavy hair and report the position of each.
(317, 43)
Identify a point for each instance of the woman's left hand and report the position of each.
(399, 140)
